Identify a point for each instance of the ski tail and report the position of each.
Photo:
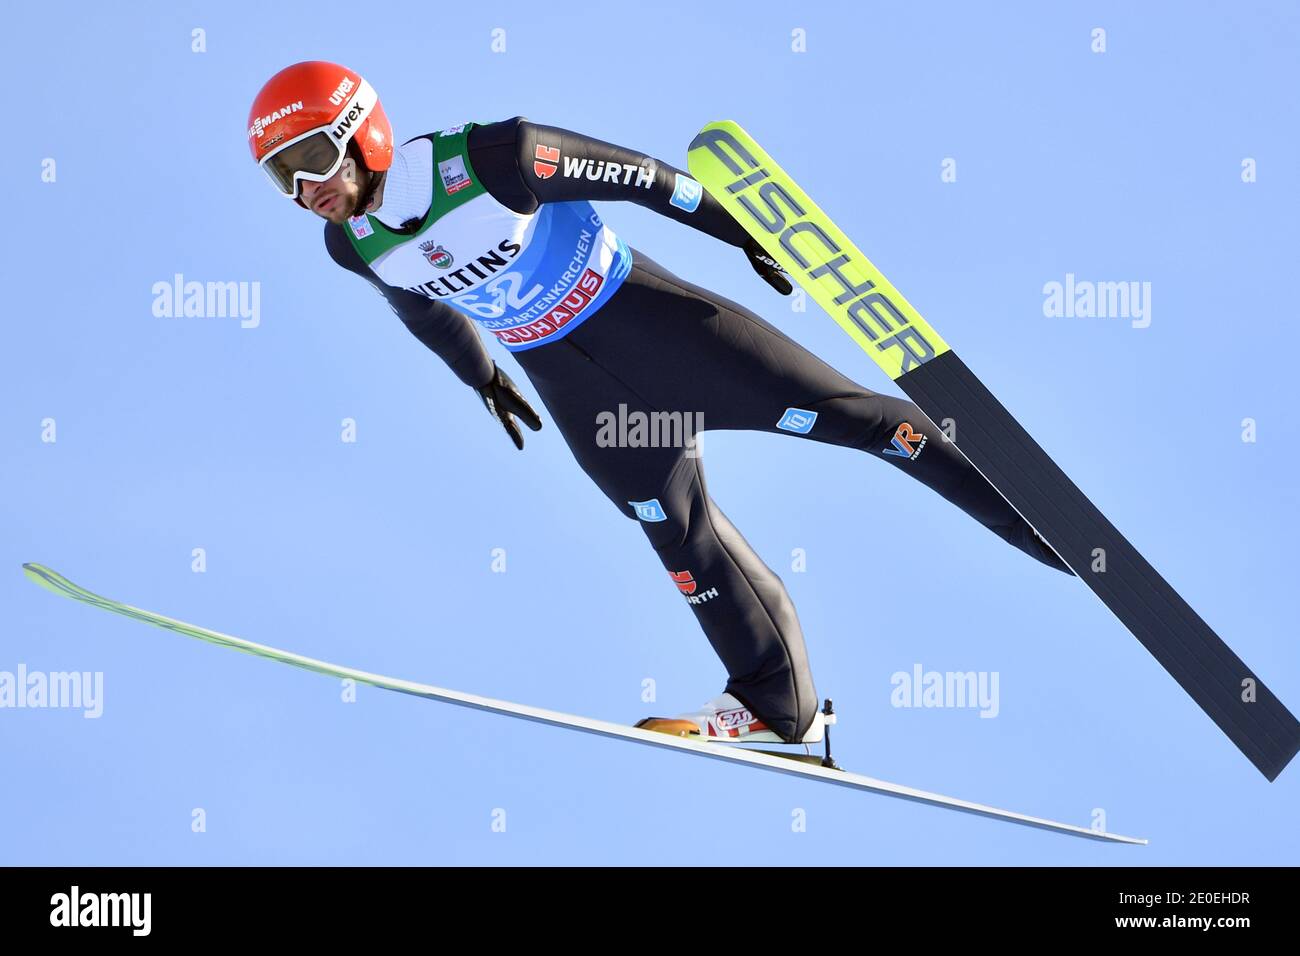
(1204, 666)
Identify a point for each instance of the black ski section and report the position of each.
(1264, 730)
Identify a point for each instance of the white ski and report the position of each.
(55, 582)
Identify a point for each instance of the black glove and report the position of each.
(767, 267)
(503, 400)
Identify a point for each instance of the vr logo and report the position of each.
(908, 443)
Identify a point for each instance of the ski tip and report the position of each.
(45, 577)
(701, 138)
(1105, 836)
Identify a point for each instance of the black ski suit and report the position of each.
(661, 344)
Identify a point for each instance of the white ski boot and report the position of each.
(726, 719)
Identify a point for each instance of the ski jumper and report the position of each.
(511, 243)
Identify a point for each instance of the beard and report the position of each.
(342, 203)
(344, 193)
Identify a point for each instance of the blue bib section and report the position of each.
(570, 266)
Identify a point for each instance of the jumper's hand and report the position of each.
(503, 401)
(767, 267)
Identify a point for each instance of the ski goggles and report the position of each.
(316, 155)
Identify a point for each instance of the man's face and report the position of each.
(335, 198)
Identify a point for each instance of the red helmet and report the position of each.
(303, 119)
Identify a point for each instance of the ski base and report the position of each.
(777, 762)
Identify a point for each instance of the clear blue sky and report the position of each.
(174, 434)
